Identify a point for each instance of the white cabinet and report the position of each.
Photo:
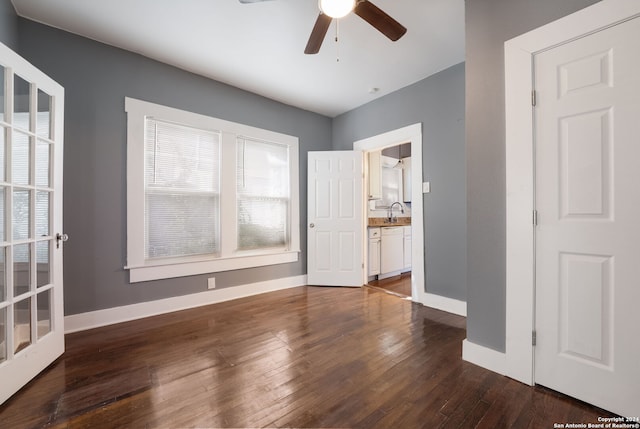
(407, 248)
(375, 175)
(374, 251)
(389, 251)
(406, 180)
(392, 249)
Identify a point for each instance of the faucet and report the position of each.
(390, 217)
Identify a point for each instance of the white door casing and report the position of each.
(413, 135)
(335, 249)
(31, 294)
(587, 148)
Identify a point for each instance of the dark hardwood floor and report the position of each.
(303, 357)
(398, 285)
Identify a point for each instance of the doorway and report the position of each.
(411, 135)
(388, 208)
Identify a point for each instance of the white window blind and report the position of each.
(182, 190)
(263, 194)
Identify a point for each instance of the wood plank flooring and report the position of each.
(303, 357)
(399, 285)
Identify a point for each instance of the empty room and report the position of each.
(319, 214)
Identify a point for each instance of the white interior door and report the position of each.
(588, 235)
(335, 242)
(31, 302)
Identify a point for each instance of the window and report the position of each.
(262, 194)
(391, 174)
(182, 191)
(207, 195)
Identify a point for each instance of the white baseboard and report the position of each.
(110, 316)
(484, 357)
(443, 303)
(389, 274)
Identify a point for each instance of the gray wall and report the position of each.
(489, 23)
(96, 79)
(8, 25)
(438, 103)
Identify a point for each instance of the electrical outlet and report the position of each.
(426, 187)
(211, 283)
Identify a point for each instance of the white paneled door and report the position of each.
(587, 125)
(335, 218)
(31, 302)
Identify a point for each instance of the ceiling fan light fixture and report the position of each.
(336, 8)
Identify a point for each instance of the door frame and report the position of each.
(410, 134)
(520, 179)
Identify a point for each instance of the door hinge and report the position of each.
(535, 217)
(363, 265)
(533, 97)
(534, 338)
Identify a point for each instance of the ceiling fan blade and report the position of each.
(380, 20)
(317, 34)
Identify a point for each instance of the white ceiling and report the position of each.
(259, 47)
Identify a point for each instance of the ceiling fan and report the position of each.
(330, 9)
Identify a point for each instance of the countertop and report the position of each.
(383, 221)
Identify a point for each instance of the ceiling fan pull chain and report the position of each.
(337, 46)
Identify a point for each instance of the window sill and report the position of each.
(170, 270)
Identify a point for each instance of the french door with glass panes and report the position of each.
(31, 301)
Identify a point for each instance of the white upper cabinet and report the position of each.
(375, 175)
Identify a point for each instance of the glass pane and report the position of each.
(261, 223)
(42, 263)
(179, 224)
(180, 157)
(3, 276)
(263, 169)
(391, 187)
(43, 156)
(20, 159)
(22, 324)
(21, 90)
(43, 302)
(3, 150)
(3, 334)
(21, 214)
(42, 213)
(21, 269)
(2, 96)
(43, 118)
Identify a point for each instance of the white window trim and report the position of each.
(144, 270)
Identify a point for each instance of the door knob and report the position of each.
(312, 225)
(59, 238)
